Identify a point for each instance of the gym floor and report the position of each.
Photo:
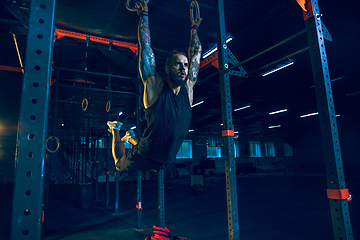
(271, 206)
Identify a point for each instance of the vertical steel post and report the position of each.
(97, 162)
(117, 191)
(138, 134)
(30, 156)
(328, 126)
(228, 133)
(92, 157)
(108, 147)
(161, 198)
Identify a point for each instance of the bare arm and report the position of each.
(150, 78)
(194, 58)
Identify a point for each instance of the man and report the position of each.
(167, 103)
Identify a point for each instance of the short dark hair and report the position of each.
(171, 54)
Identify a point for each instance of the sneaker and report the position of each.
(129, 134)
(114, 125)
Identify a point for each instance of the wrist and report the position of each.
(143, 13)
(195, 27)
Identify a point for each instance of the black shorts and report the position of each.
(133, 161)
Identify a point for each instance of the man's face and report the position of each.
(178, 70)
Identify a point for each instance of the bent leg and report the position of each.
(118, 147)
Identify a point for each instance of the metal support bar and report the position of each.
(138, 85)
(161, 198)
(62, 33)
(139, 199)
(96, 172)
(117, 191)
(89, 72)
(214, 56)
(19, 53)
(15, 8)
(10, 68)
(230, 171)
(107, 193)
(30, 157)
(329, 132)
(96, 89)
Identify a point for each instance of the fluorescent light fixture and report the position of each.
(214, 49)
(238, 109)
(191, 130)
(316, 113)
(120, 113)
(310, 114)
(277, 69)
(132, 128)
(208, 53)
(277, 126)
(280, 111)
(197, 104)
(236, 132)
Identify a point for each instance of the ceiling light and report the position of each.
(277, 69)
(132, 128)
(120, 113)
(277, 126)
(208, 53)
(238, 109)
(280, 111)
(191, 130)
(310, 114)
(197, 104)
(214, 49)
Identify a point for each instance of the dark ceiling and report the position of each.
(255, 25)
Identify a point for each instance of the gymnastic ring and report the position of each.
(58, 144)
(197, 11)
(108, 106)
(199, 170)
(132, 9)
(86, 104)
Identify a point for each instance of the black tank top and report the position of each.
(168, 123)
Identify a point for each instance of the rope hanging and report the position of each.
(108, 103)
(85, 102)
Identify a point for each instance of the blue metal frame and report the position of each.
(30, 157)
(230, 171)
(138, 88)
(330, 137)
(161, 198)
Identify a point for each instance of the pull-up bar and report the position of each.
(64, 33)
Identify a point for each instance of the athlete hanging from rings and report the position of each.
(167, 103)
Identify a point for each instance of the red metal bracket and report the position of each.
(307, 7)
(227, 133)
(211, 60)
(339, 194)
(64, 33)
(138, 206)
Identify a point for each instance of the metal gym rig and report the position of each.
(31, 148)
